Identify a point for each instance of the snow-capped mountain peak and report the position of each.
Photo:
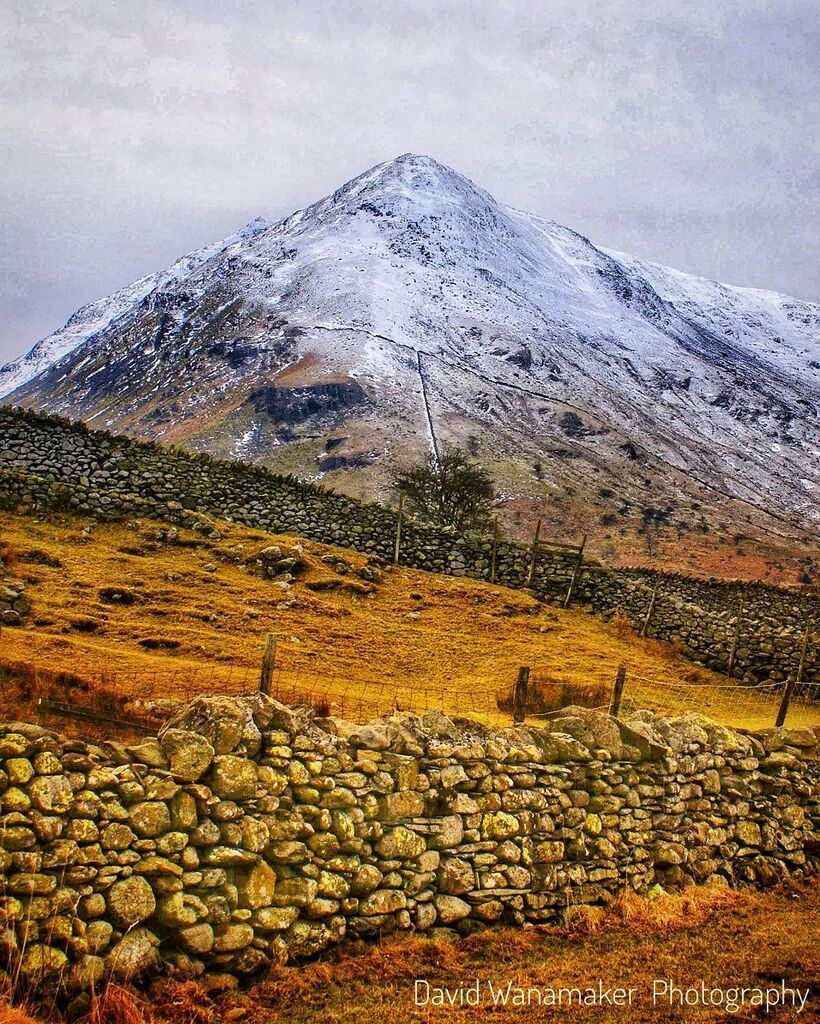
(409, 309)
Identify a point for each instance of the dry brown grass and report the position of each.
(8, 556)
(416, 640)
(11, 1015)
(547, 694)
(721, 935)
(660, 911)
(621, 626)
(668, 911)
(115, 1004)
(184, 1002)
(585, 920)
(15, 1015)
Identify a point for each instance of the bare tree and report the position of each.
(450, 491)
(652, 519)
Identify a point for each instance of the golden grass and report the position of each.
(722, 936)
(667, 911)
(13, 1015)
(415, 640)
(115, 1004)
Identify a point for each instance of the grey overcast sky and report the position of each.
(131, 132)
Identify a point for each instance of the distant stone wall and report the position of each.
(249, 833)
(701, 617)
(46, 462)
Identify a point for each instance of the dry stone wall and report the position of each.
(46, 462)
(701, 617)
(249, 833)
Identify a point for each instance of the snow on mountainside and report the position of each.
(97, 316)
(408, 310)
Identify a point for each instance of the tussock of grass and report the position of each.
(184, 1002)
(669, 911)
(584, 920)
(15, 1015)
(117, 1005)
(660, 911)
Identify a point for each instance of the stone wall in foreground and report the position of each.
(250, 833)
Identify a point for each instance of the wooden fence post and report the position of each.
(534, 554)
(792, 683)
(648, 617)
(618, 690)
(397, 545)
(579, 561)
(520, 695)
(268, 663)
(735, 637)
(495, 550)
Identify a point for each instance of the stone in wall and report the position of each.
(248, 833)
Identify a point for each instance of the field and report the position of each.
(138, 612)
(132, 611)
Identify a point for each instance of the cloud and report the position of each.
(134, 132)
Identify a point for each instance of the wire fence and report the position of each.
(357, 700)
(750, 707)
(732, 704)
(141, 700)
(129, 702)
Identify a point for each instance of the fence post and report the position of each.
(651, 608)
(268, 663)
(520, 695)
(736, 637)
(792, 683)
(579, 561)
(397, 545)
(495, 549)
(618, 691)
(534, 554)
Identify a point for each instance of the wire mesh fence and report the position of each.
(358, 700)
(130, 702)
(749, 707)
(141, 700)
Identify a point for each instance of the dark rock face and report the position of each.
(572, 425)
(295, 405)
(522, 357)
(327, 463)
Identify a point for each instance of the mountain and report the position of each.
(409, 310)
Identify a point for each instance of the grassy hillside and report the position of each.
(169, 613)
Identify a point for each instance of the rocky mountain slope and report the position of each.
(409, 310)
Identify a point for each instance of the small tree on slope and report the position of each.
(450, 491)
